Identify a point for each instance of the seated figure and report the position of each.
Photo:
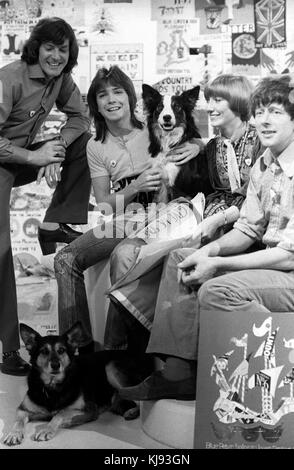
(220, 276)
(231, 155)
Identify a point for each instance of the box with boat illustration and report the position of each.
(245, 381)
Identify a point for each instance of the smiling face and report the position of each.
(219, 111)
(274, 126)
(53, 58)
(113, 103)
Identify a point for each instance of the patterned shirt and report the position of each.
(268, 210)
(27, 98)
(246, 149)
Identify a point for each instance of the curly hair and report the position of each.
(274, 89)
(54, 30)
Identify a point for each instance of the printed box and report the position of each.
(245, 381)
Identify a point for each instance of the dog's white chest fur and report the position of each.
(168, 140)
(169, 169)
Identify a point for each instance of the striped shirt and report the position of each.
(268, 210)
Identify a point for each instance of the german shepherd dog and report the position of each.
(68, 390)
(170, 123)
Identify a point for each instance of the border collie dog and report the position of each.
(170, 123)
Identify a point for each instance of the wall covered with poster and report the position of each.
(162, 33)
(173, 44)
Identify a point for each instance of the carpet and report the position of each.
(108, 432)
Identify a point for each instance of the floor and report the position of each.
(108, 432)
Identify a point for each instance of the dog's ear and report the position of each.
(189, 97)
(76, 335)
(28, 335)
(151, 97)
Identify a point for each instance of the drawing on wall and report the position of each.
(245, 55)
(213, 17)
(11, 10)
(103, 23)
(174, 39)
(270, 23)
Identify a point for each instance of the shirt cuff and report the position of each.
(286, 245)
(63, 140)
(19, 155)
(248, 230)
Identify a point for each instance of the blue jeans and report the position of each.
(176, 321)
(70, 264)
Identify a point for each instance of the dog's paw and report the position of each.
(132, 413)
(14, 438)
(44, 434)
(126, 408)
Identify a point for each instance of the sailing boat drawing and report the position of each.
(230, 406)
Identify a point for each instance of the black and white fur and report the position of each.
(68, 390)
(170, 123)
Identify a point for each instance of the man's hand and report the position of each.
(149, 180)
(52, 174)
(185, 152)
(51, 152)
(202, 269)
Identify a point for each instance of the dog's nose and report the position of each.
(167, 118)
(55, 366)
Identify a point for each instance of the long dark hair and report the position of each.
(54, 30)
(114, 77)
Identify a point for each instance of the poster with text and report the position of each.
(214, 15)
(174, 85)
(24, 234)
(128, 57)
(175, 37)
(245, 55)
(270, 23)
(13, 36)
(165, 9)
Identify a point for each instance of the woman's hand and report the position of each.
(185, 152)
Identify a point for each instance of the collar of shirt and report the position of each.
(35, 71)
(124, 138)
(285, 160)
